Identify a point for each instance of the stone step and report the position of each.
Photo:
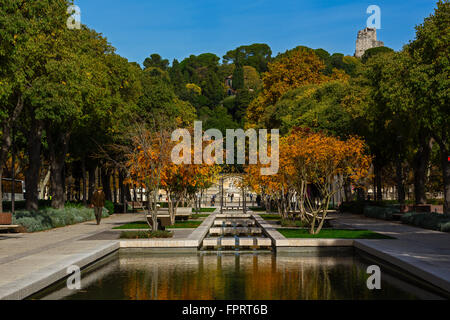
(233, 215)
(235, 222)
(241, 242)
(234, 231)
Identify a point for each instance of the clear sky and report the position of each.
(177, 29)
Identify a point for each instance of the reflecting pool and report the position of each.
(139, 275)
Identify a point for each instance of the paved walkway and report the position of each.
(423, 252)
(28, 261)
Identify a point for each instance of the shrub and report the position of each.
(433, 221)
(50, 218)
(20, 205)
(355, 207)
(292, 223)
(109, 206)
(384, 213)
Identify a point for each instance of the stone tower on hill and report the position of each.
(367, 39)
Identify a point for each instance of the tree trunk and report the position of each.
(420, 164)
(58, 153)
(348, 190)
(91, 173)
(83, 174)
(378, 183)
(106, 183)
(43, 184)
(445, 154)
(34, 164)
(114, 185)
(400, 180)
(121, 187)
(6, 140)
(57, 181)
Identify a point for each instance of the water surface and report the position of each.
(228, 276)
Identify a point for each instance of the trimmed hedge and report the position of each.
(109, 206)
(50, 218)
(355, 207)
(20, 205)
(433, 221)
(384, 213)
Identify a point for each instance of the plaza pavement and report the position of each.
(424, 253)
(30, 262)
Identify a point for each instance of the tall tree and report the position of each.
(431, 83)
(257, 55)
(156, 61)
(28, 34)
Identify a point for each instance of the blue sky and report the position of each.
(176, 29)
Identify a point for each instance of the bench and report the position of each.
(232, 208)
(163, 221)
(6, 220)
(182, 213)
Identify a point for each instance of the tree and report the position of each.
(291, 70)
(238, 76)
(203, 70)
(431, 83)
(155, 61)
(375, 51)
(325, 162)
(257, 55)
(28, 34)
(149, 154)
(311, 161)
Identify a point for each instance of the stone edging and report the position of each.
(193, 241)
(24, 287)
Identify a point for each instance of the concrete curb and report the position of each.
(402, 262)
(24, 287)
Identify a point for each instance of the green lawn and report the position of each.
(197, 216)
(145, 234)
(270, 216)
(332, 234)
(257, 209)
(205, 210)
(185, 224)
(133, 225)
(144, 225)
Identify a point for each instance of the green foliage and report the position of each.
(185, 224)
(376, 212)
(198, 216)
(238, 76)
(321, 107)
(155, 61)
(267, 216)
(203, 71)
(349, 65)
(204, 209)
(20, 205)
(433, 221)
(293, 223)
(375, 51)
(133, 225)
(50, 218)
(257, 55)
(218, 118)
(109, 206)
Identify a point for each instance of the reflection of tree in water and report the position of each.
(241, 276)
